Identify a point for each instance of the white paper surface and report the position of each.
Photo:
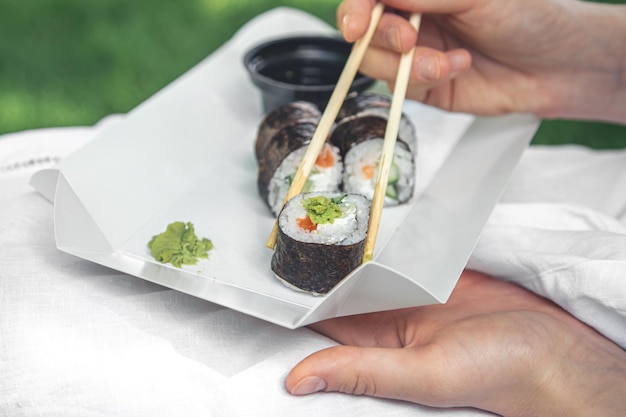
(186, 154)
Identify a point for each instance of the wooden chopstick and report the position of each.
(389, 143)
(330, 113)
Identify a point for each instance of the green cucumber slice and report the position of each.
(392, 191)
(308, 185)
(394, 174)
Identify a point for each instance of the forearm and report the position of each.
(593, 85)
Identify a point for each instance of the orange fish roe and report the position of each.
(368, 171)
(305, 223)
(325, 158)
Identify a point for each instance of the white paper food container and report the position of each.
(186, 154)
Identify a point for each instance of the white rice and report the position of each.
(348, 229)
(321, 179)
(368, 153)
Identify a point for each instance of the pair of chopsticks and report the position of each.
(330, 114)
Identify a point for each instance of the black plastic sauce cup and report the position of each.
(300, 68)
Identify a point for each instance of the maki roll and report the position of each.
(360, 141)
(282, 156)
(357, 137)
(321, 238)
(362, 104)
(287, 115)
(372, 104)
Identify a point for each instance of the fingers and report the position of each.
(353, 18)
(429, 65)
(379, 372)
(430, 6)
(383, 329)
(430, 68)
(393, 32)
(436, 60)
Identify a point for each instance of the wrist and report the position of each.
(593, 85)
(586, 379)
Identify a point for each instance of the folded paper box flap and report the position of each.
(186, 154)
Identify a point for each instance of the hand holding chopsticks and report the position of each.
(328, 118)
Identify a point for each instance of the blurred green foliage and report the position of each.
(72, 62)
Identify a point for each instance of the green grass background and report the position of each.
(72, 62)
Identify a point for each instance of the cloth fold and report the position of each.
(579, 261)
(560, 231)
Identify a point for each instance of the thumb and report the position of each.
(379, 372)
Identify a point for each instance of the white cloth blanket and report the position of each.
(560, 231)
(79, 339)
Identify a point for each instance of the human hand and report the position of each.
(493, 346)
(553, 58)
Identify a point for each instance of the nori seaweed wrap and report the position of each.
(285, 133)
(360, 141)
(374, 104)
(315, 257)
(282, 156)
(289, 114)
(356, 104)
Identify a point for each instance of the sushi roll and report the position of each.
(360, 141)
(289, 114)
(373, 104)
(321, 238)
(280, 160)
(365, 103)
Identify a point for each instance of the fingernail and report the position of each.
(392, 37)
(309, 385)
(344, 23)
(428, 68)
